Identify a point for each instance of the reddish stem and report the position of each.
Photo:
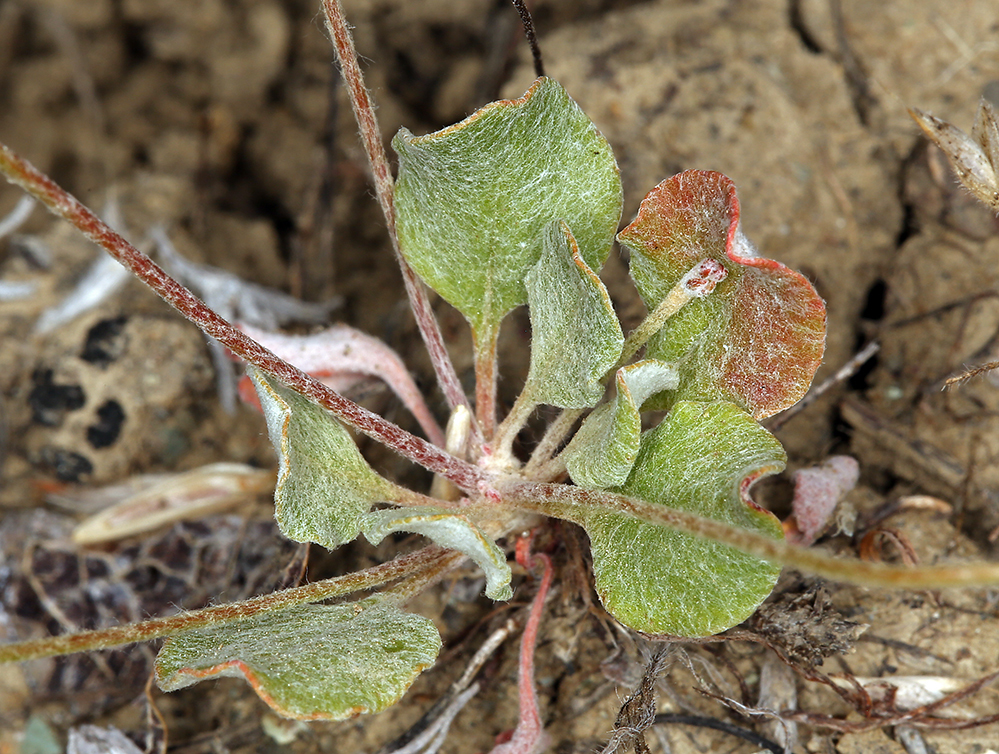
(367, 123)
(43, 188)
(485, 382)
(529, 735)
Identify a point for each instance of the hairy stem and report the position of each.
(59, 201)
(565, 502)
(417, 583)
(675, 300)
(532, 37)
(367, 123)
(408, 498)
(428, 558)
(529, 736)
(511, 425)
(485, 382)
(554, 436)
(697, 283)
(551, 470)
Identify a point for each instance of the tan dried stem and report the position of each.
(427, 559)
(566, 502)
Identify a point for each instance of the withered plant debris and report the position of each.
(975, 160)
(47, 582)
(806, 625)
(883, 712)
(501, 210)
(638, 713)
(700, 721)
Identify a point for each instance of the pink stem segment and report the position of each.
(529, 736)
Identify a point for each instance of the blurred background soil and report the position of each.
(223, 122)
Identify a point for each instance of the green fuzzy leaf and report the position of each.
(309, 662)
(701, 459)
(324, 486)
(473, 199)
(451, 530)
(603, 451)
(576, 337)
(758, 338)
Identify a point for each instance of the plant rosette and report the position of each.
(516, 205)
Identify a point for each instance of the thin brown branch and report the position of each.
(371, 137)
(22, 173)
(427, 558)
(532, 37)
(701, 721)
(842, 375)
(971, 373)
(921, 717)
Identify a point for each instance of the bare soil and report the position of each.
(223, 122)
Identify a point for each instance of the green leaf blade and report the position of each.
(700, 459)
(310, 662)
(451, 530)
(473, 199)
(604, 450)
(759, 337)
(576, 336)
(324, 486)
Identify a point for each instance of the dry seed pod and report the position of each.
(974, 158)
(169, 498)
(986, 132)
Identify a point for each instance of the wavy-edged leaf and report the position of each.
(603, 451)
(473, 199)
(759, 337)
(702, 458)
(575, 334)
(309, 662)
(324, 485)
(451, 530)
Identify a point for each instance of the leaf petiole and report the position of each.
(538, 466)
(699, 282)
(485, 382)
(510, 427)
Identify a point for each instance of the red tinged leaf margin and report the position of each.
(758, 339)
(310, 662)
